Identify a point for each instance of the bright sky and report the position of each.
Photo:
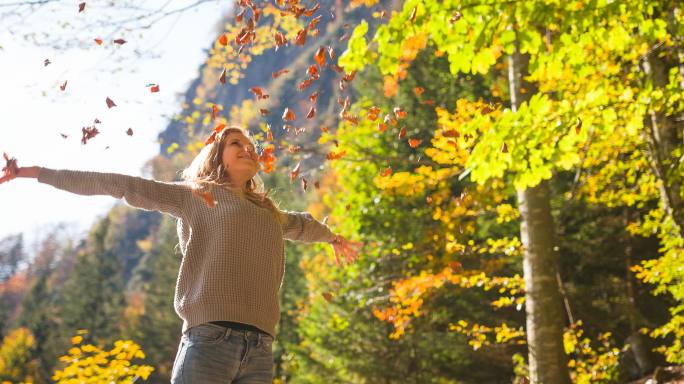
(34, 111)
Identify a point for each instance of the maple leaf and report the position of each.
(81, 7)
(120, 41)
(129, 131)
(289, 115)
(63, 86)
(110, 103)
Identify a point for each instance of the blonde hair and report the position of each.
(207, 171)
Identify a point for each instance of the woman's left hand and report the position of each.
(349, 249)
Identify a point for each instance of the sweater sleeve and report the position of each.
(151, 195)
(301, 226)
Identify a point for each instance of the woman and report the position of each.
(231, 239)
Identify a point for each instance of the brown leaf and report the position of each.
(81, 7)
(504, 148)
(64, 136)
(63, 86)
(578, 126)
(412, 18)
(328, 296)
(120, 41)
(312, 113)
(47, 62)
(304, 184)
(312, 10)
(110, 103)
(259, 92)
(402, 132)
(305, 84)
(129, 131)
(455, 17)
(88, 133)
(222, 78)
(301, 37)
(280, 40)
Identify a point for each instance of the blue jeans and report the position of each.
(209, 353)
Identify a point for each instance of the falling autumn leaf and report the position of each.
(455, 17)
(312, 113)
(399, 112)
(96, 121)
(110, 103)
(280, 40)
(387, 172)
(300, 39)
(64, 136)
(47, 62)
(304, 84)
(319, 56)
(81, 7)
(413, 143)
(259, 92)
(129, 131)
(402, 132)
(578, 126)
(295, 172)
(418, 90)
(280, 72)
(222, 78)
(373, 113)
(412, 18)
(223, 39)
(98, 41)
(305, 184)
(120, 41)
(314, 97)
(63, 86)
(312, 71)
(335, 155)
(331, 53)
(289, 115)
(214, 111)
(154, 88)
(88, 133)
(504, 148)
(328, 296)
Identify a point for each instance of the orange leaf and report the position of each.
(280, 40)
(413, 143)
(280, 72)
(328, 296)
(214, 111)
(419, 90)
(312, 71)
(301, 37)
(206, 196)
(319, 56)
(305, 84)
(399, 113)
(223, 39)
(289, 115)
(98, 41)
(259, 92)
(387, 172)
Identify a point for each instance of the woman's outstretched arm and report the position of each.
(301, 226)
(137, 192)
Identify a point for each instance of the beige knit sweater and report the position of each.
(233, 255)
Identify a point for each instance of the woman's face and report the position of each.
(239, 158)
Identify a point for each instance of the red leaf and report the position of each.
(223, 39)
(312, 113)
(88, 133)
(312, 71)
(295, 172)
(289, 115)
(129, 131)
(81, 7)
(319, 56)
(110, 103)
(259, 92)
(63, 86)
(280, 72)
(154, 88)
(214, 111)
(120, 41)
(402, 132)
(98, 41)
(387, 171)
(222, 78)
(305, 84)
(314, 97)
(312, 10)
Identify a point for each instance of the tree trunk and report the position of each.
(543, 306)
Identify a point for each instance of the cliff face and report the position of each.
(240, 105)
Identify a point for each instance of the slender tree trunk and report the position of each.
(543, 302)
